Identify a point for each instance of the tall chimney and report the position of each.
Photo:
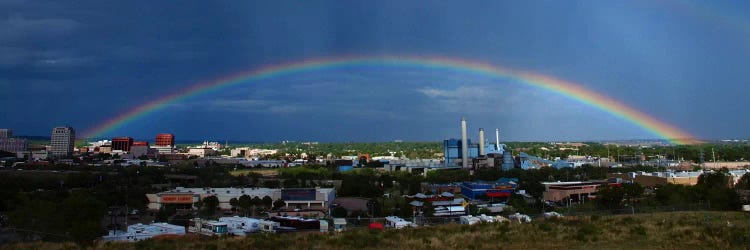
(481, 141)
(464, 145)
(497, 139)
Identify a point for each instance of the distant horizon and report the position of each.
(490, 140)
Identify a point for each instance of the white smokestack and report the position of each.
(481, 141)
(497, 139)
(464, 145)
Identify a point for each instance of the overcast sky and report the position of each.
(83, 62)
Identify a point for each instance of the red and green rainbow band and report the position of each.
(568, 89)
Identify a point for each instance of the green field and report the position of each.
(264, 172)
(677, 230)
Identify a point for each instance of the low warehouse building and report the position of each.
(302, 198)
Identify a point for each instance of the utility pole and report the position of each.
(713, 154)
(608, 156)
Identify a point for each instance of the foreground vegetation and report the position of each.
(678, 230)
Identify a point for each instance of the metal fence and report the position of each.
(428, 221)
(633, 210)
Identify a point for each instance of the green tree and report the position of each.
(608, 197)
(448, 176)
(518, 203)
(291, 183)
(633, 190)
(162, 215)
(428, 209)
(84, 233)
(743, 183)
(473, 210)
(339, 212)
(245, 202)
(279, 203)
(672, 194)
(712, 180)
(234, 202)
(271, 184)
(209, 205)
(714, 188)
(81, 216)
(267, 202)
(256, 202)
(484, 210)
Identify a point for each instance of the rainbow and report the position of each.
(568, 89)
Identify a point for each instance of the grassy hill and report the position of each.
(679, 230)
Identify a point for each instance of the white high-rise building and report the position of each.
(6, 133)
(63, 141)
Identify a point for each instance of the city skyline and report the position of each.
(677, 62)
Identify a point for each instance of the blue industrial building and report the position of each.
(452, 151)
(503, 187)
(533, 162)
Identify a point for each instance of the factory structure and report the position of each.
(489, 155)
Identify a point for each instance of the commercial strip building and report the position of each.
(658, 178)
(201, 152)
(243, 161)
(294, 198)
(726, 164)
(419, 166)
(572, 191)
(652, 179)
(251, 152)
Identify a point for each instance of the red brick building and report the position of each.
(164, 140)
(122, 143)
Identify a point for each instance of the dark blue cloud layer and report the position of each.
(84, 62)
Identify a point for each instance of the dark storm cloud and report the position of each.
(669, 62)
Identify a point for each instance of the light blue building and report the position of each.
(452, 151)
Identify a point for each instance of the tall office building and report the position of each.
(165, 140)
(6, 133)
(10, 144)
(63, 141)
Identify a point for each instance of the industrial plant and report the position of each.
(487, 155)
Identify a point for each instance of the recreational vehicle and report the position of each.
(397, 223)
(241, 225)
(139, 232)
(207, 227)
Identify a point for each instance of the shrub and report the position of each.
(740, 238)
(588, 231)
(638, 230)
(545, 227)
